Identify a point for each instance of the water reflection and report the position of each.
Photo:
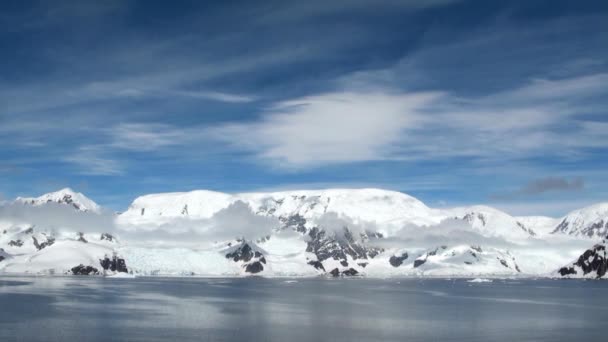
(257, 309)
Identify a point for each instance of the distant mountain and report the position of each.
(372, 205)
(589, 222)
(334, 232)
(492, 222)
(65, 196)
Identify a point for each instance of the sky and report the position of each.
(453, 102)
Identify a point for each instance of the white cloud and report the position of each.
(145, 136)
(329, 128)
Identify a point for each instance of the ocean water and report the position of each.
(258, 309)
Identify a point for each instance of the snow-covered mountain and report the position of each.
(492, 222)
(591, 221)
(541, 225)
(65, 196)
(371, 205)
(338, 232)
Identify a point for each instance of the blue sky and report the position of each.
(454, 102)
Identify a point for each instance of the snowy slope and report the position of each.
(541, 225)
(589, 222)
(371, 205)
(65, 196)
(492, 222)
(369, 232)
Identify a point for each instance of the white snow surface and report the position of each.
(590, 222)
(371, 205)
(541, 225)
(65, 196)
(500, 244)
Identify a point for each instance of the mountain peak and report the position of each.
(63, 196)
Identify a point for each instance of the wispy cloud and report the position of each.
(93, 160)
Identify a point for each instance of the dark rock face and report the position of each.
(419, 262)
(39, 246)
(243, 253)
(338, 246)
(115, 264)
(396, 261)
(296, 222)
(81, 237)
(30, 230)
(254, 267)
(592, 261)
(1, 258)
(254, 261)
(592, 229)
(84, 270)
(317, 264)
(15, 243)
(350, 272)
(347, 273)
(107, 237)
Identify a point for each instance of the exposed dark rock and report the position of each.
(344, 263)
(115, 264)
(335, 272)
(15, 243)
(504, 263)
(396, 261)
(254, 267)
(296, 222)
(107, 237)
(84, 270)
(593, 260)
(39, 246)
(564, 271)
(317, 264)
(81, 237)
(350, 272)
(338, 245)
(477, 249)
(468, 263)
(362, 264)
(30, 230)
(252, 260)
(419, 262)
(243, 253)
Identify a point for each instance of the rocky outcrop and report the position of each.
(84, 270)
(15, 243)
(347, 273)
(317, 264)
(107, 237)
(41, 245)
(81, 237)
(338, 246)
(592, 263)
(252, 259)
(397, 260)
(115, 264)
